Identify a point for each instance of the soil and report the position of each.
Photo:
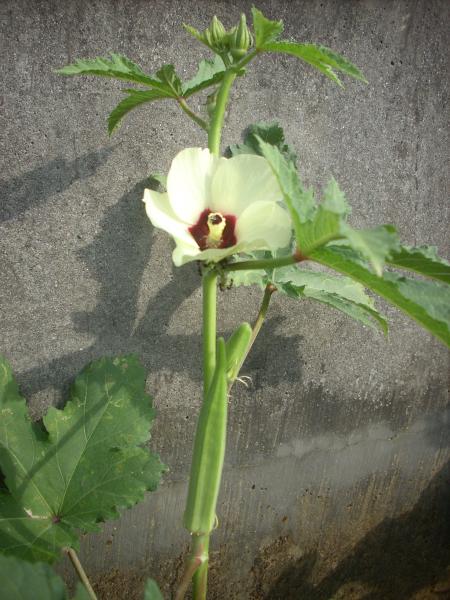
(280, 572)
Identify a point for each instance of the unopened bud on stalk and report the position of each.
(240, 39)
(216, 35)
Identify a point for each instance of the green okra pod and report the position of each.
(209, 451)
(236, 347)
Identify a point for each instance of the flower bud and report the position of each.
(240, 39)
(216, 36)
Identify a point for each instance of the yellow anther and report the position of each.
(216, 225)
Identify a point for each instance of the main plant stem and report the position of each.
(200, 577)
(215, 128)
(81, 573)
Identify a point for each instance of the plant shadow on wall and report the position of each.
(117, 259)
(395, 560)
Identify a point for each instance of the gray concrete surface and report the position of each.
(338, 451)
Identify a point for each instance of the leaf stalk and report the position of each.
(81, 572)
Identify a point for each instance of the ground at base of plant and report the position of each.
(281, 572)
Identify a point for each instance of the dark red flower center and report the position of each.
(214, 230)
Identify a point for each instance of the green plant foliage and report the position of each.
(316, 225)
(423, 260)
(21, 580)
(271, 133)
(427, 302)
(84, 467)
(135, 98)
(341, 293)
(266, 31)
(152, 591)
(117, 67)
(323, 59)
(210, 72)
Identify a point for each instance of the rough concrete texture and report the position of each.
(337, 457)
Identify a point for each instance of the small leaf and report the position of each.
(427, 302)
(266, 31)
(210, 72)
(168, 76)
(341, 293)
(323, 59)
(117, 67)
(152, 591)
(135, 98)
(423, 260)
(300, 202)
(271, 133)
(85, 469)
(22, 580)
(375, 245)
(159, 178)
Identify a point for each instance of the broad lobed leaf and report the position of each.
(84, 468)
(24, 581)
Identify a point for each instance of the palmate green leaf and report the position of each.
(317, 225)
(300, 202)
(341, 293)
(266, 31)
(321, 58)
(210, 72)
(115, 66)
(135, 98)
(83, 468)
(427, 302)
(423, 260)
(21, 580)
(152, 591)
(270, 133)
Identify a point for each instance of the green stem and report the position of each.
(201, 548)
(191, 114)
(81, 572)
(265, 263)
(197, 559)
(215, 128)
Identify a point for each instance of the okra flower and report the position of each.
(215, 207)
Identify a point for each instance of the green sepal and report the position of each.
(209, 451)
(236, 348)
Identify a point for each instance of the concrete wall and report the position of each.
(337, 455)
